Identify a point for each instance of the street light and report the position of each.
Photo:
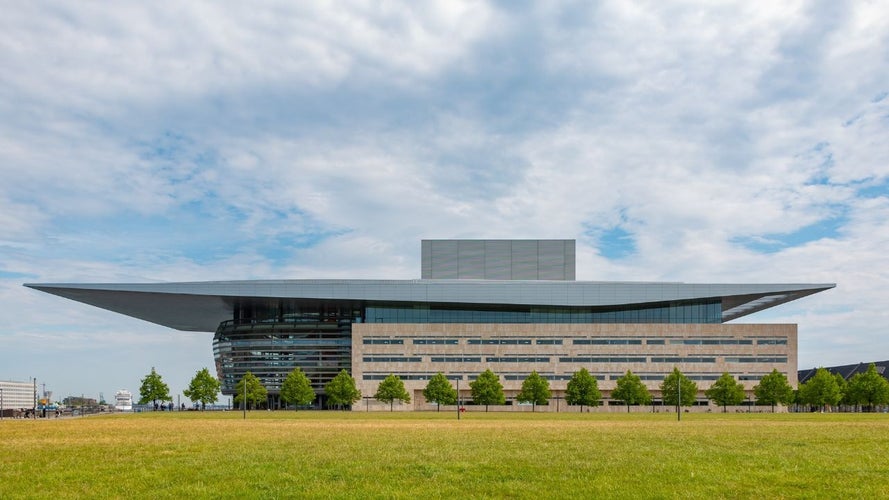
(679, 399)
(458, 397)
(1, 403)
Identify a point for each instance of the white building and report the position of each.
(18, 395)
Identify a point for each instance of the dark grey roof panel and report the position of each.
(200, 306)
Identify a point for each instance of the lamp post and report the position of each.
(678, 399)
(1, 403)
(458, 398)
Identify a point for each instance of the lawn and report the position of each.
(421, 455)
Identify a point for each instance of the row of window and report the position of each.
(706, 312)
(655, 377)
(581, 359)
(760, 359)
(550, 341)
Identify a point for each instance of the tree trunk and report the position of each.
(724, 409)
(391, 404)
(439, 407)
(628, 408)
(533, 407)
(486, 408)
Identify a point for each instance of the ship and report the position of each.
(123, 400)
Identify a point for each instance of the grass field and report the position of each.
(422, 455)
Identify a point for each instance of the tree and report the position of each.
(297, 388)
(255, 393)
(487, 390)
(390, 389)
(843, 385)
(153, 389)
(203, 388)
(341, 391)
(773, 389)
(725, 391)
(439, 391)
(868, 388)
(631, 390)
(820, 390)
(535, 390)
(676, 383)
(583, 390)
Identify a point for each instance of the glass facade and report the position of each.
(705, 311)
(271, 338)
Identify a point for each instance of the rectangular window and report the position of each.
(383, 341)
(517, 360)
(682, 360)
(655, 341)
(762, 359)
(392, 359)
(499, 342)
(435, 341)
(616, 342)
(603, 360)
(549, 341)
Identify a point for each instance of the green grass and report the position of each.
(421, 455)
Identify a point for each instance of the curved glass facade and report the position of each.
(317, 340)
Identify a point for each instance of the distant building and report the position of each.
(511, 306)
(18, 395)
(847, 371)
(79, 401)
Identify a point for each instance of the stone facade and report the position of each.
(703, 352)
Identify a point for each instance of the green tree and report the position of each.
(341, 391)
(487, 390)
(153, 389)
(255, 394)
(390, 389)
(204, 388)
(844, 386)
(868, 388)
(439, 391)
(583, 390)
(297, 388)
(631, 390)
(773, 389)
(725, 391)
(535, 390)
(676, 383)
(821, 390)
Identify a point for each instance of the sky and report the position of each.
(723, 142)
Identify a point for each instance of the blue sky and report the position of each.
(677, 141)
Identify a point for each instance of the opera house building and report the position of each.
(509, 305)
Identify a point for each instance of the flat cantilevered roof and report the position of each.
(201, 306)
